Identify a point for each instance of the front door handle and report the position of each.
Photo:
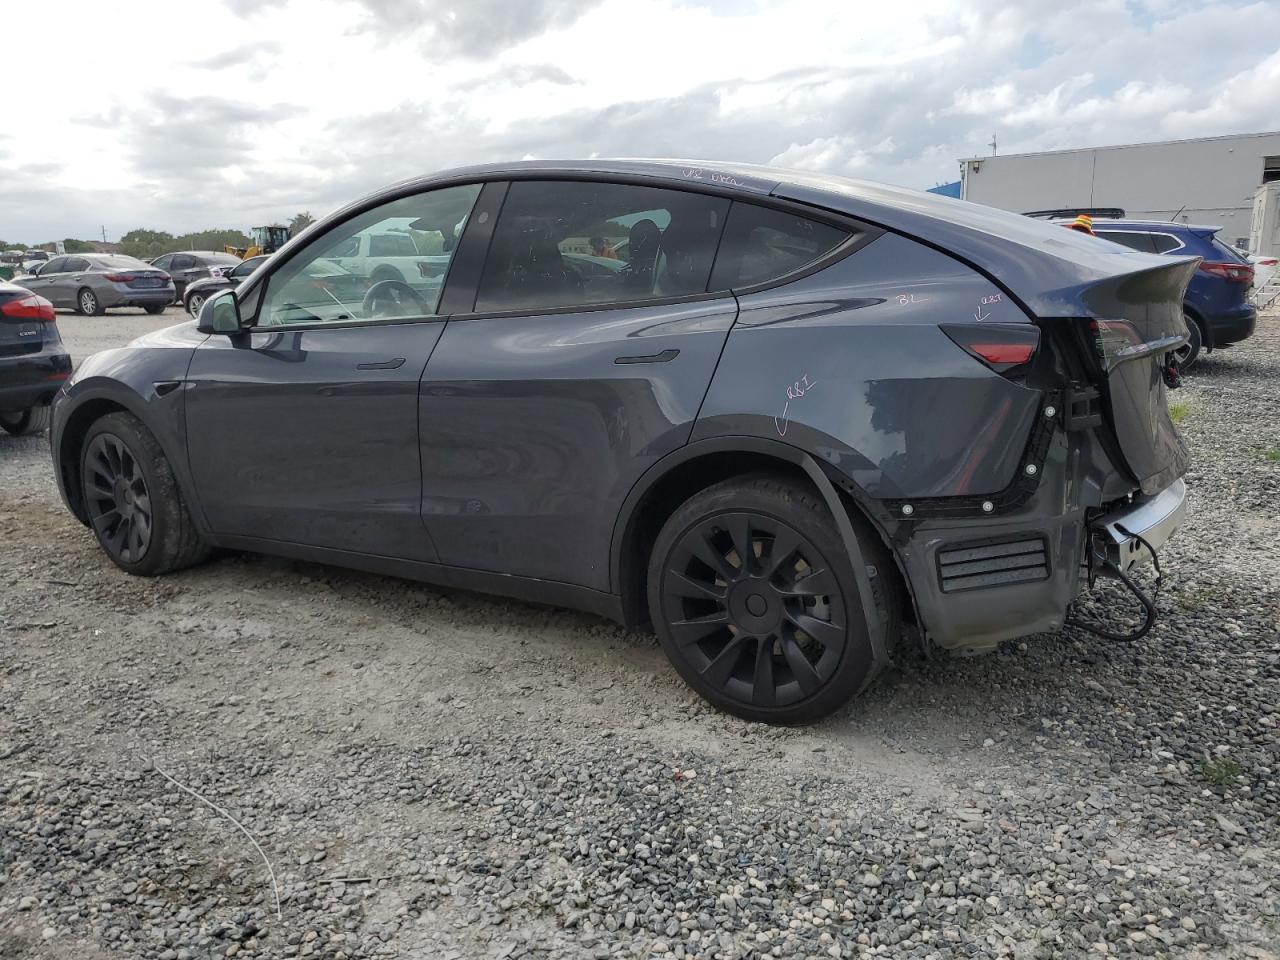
(663, 357)
(382, 365)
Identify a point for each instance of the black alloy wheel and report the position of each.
(117, 498)
(755, 608)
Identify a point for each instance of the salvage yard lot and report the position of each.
(439, 774)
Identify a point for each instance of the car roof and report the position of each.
(1151, 226)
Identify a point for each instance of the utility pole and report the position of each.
(992, 144)
(104, 233)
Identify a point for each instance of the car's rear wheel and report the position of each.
(154, 308)
(87, 303)
(754, 600)
(1187, 354)
(23, 422)
(194, 303)
(132, 499)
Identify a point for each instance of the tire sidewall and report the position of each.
(1196, 342)
(194, 303)
(80, 306)
(805, 514)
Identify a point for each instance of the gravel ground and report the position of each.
(441, 775)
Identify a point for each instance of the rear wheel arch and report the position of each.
(673, 480)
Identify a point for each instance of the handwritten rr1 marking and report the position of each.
(905, 298)
(795, 391)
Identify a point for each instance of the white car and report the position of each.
(389, 254)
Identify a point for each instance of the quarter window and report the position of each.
(566, 244)
(313, 287)
(1126, 238)
(761, 245)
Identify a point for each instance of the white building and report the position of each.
(1211, 180)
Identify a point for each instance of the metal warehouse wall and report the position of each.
(1214, 178)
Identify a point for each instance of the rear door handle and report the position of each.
(663, 357)
(382, 364)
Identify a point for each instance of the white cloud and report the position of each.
(229, 112)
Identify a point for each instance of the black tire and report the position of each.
(1185, 357)
(194, 303)
(783, 639)
(24, 422)
(155, 308)
(128, 486)
(87, 303)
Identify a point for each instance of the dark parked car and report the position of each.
(1219, 312)
(33, 362)
(200, 290)
(801, 410)
(89, 283)
(189, 266)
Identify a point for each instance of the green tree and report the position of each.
(146, 244)
(300, 223)
(77, 246)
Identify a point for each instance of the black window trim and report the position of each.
(861, 233)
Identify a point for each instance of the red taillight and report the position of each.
(1237, 272)
(997, 353)
(1006, 348)
(30, 307)
(122, 277)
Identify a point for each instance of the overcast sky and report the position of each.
(230, 113)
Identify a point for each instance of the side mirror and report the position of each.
(220, 314)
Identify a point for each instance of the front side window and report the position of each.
(58, 265)
(245, 267)
(761, 244)
(76, 264)
(313, 287)
(567, 243)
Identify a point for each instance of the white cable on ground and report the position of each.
(213, 806)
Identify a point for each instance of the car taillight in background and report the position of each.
(1237, 272)
(122, 277)
(29, 308)
(1007, 348)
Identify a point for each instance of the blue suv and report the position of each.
(1217, 304)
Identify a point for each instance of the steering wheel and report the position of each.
(386, 298)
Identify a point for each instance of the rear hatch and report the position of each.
(1135, 320)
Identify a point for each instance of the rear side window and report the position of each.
(1134, 241)
(566, 243)
(1165, 243)
(761, 245)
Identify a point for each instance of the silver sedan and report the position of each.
(89, 283)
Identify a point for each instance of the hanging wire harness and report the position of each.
(1099, 559)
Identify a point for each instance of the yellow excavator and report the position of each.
(263, 240)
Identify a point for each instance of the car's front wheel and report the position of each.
(754, 599)
(194, 303)
(132, 499)
(23, 422)
(154, 308)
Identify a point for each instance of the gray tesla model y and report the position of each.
(774, 414)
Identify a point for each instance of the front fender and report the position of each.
(146, 379)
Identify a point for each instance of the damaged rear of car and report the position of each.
(990, 392)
